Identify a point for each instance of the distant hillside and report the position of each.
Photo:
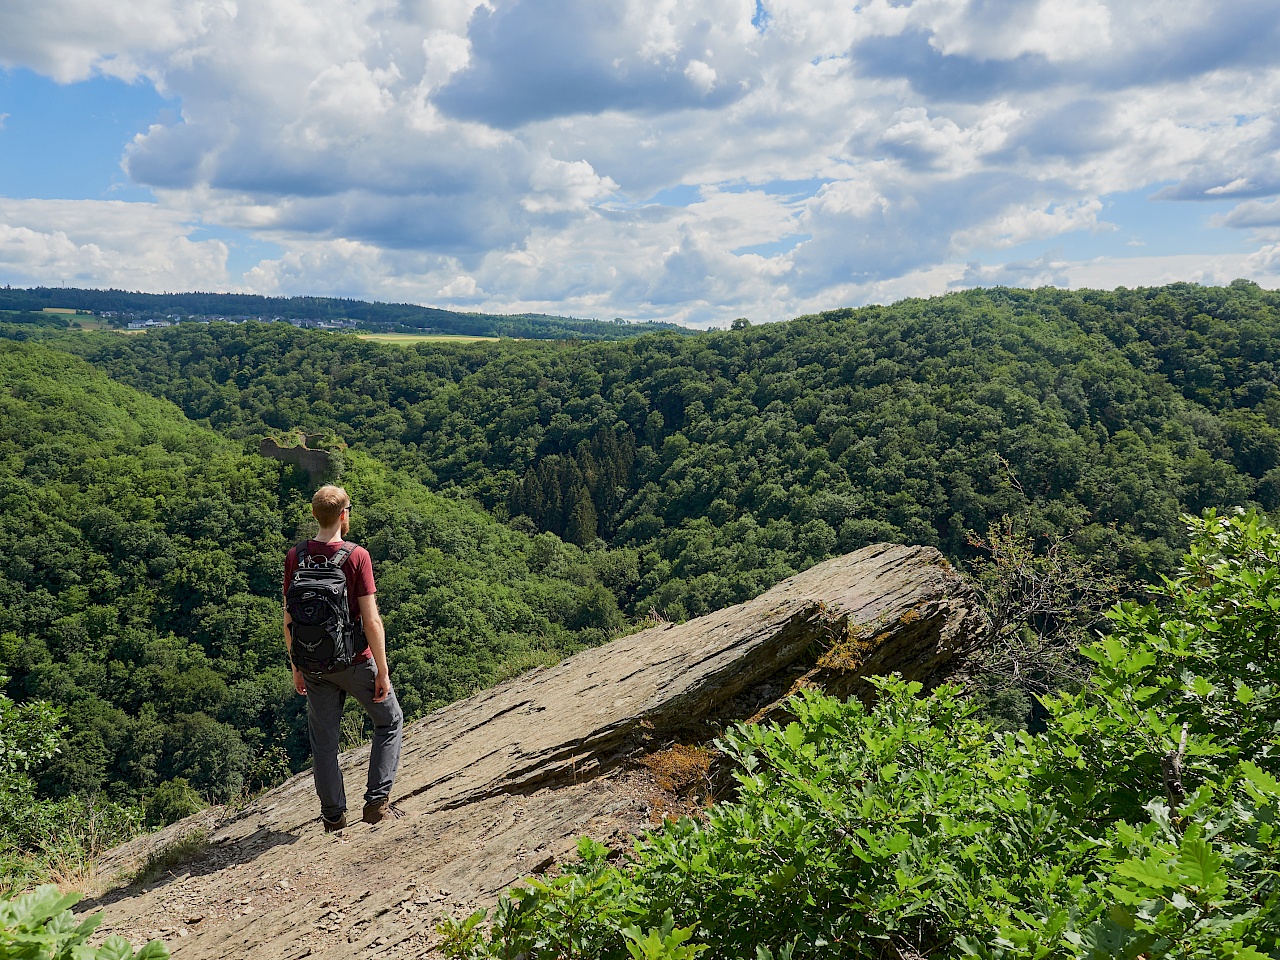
(720, 463)
(371, 316)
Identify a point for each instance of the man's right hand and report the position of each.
(299, 683)
(381, 686)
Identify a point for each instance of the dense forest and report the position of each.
(726, 461)
(372, 316)
(524, 499)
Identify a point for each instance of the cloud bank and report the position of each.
(659, 160)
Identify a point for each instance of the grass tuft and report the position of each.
(162, 861)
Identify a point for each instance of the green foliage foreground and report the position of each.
(1143, 823)
(67, 831)
(40, 926)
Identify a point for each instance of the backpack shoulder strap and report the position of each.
(339, 558)
(300, 554)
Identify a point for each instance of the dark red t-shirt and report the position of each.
(359, 570)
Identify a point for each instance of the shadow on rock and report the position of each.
(189, 855)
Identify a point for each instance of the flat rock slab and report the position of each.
(500, 785)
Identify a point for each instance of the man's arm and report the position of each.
(299, 683)
(377, 637)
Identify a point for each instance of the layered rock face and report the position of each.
(317, 463)
(500, 785)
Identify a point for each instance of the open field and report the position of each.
(78, 321)
(418, 337)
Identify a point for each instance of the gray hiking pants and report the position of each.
(326, 696)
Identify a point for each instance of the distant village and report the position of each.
(138, 313)
(138, 321)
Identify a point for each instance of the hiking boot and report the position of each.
(332, 826)
(375, 811)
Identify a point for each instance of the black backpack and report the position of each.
(324, 638)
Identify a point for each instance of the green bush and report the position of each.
(172, 801)
(40, 926)
(40, 834)
(1143, 823)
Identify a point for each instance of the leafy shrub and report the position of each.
(1045, 599)
(41, 835)
(1143, 823)
(29, 734)
(172, 801)
(40, 926)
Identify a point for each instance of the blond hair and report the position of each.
(327, 504)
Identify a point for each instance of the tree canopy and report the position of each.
(726, 461)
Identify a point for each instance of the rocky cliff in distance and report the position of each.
(317, 463)
(500, 785)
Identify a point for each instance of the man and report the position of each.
(367, 678)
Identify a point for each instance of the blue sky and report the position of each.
(646, 160)
(65, 140)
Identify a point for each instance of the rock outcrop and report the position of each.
(317, 463)
(500, 785)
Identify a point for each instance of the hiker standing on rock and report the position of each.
(337, 646)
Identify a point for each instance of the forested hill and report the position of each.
(718, 464)
(372, 316)
(141, 565)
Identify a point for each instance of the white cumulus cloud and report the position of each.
(1032, 222)
(1008, 29)
(106, 244)
(653, 159)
